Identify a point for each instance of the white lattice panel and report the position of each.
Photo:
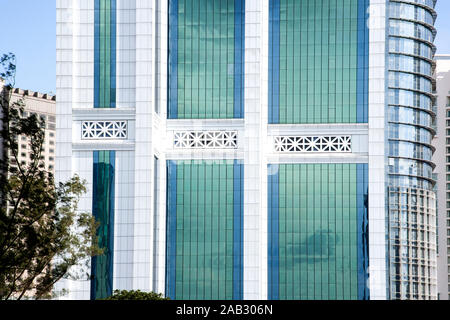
(313, 144)
(104, 130)
(206, 140)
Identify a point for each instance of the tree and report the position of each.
(135, 295)
(42, 234)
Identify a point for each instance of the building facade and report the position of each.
(412, 212)
(248, 149)
(43, 105)
(441, 159)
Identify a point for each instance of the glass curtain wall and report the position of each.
(206, 59)
(104, 161)
(411, 35)
(105, 54)
(412, 212)
(318, 231)
(103, 211)
(204, 230)
(318, 61)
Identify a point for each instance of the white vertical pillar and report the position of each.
(143, 195)
(377, 150)
(264, 149)
(126, 54)
(252, 156)
(160, 145)
(64, 65)
(123, 220)
(64, 58)
(83, 55)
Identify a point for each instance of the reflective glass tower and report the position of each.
(249, 149)
(412, 202)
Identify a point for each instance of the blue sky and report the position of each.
(443, 26)
(27, 28)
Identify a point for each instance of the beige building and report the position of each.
(441, 158)
(44, 106)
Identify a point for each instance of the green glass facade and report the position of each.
(104, 161)
(105, 54)
(205, 63)
(103, 211)
(318, 61)
(204, 230)
(318, 231)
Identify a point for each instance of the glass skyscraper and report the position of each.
(250, 149)
(412, 203)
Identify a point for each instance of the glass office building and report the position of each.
(249, 149)
(412, 202)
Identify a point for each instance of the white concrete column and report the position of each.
(253, 214)
(377, 150)
(143, 174)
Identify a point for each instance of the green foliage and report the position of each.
(135, 295)
(8, 67)
(42, 234)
